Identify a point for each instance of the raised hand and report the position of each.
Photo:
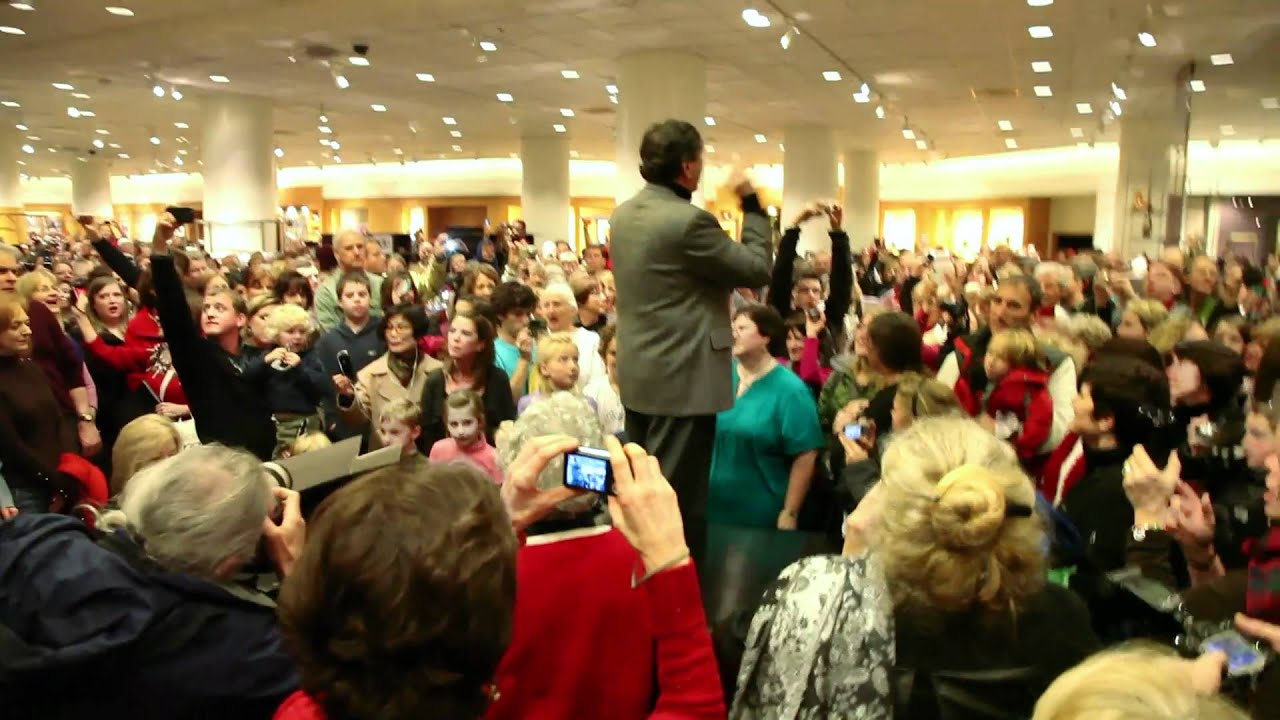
(165, 227)
(1149, 488)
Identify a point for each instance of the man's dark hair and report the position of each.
(897, 341)
(353, 276)
(439, 538)
(1221, 370)
(509, 297)
(666, 147)
(1028, 282)
(292, 282)
(1132, 348)
(1134, 394)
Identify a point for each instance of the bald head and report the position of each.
(349, 248)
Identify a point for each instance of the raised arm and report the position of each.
(119, 263)
(784, 268)
(841, 294)
(180, 329)
(720, 260)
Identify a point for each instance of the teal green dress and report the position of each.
(774, 421)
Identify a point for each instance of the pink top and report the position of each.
(483, 455)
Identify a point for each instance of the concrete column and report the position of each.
(809, 172)
(1104, 217)
(239, 175)
(1152, 170)
(861, 196)
(13, 224)
(91, 188)
(654, 85)
(544, 187)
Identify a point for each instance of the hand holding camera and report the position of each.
(284, 532)
(1148, 487)
(644, 507)
(526, 504)
(344, 386)
(815, 321)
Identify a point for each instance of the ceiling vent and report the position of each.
(600, 110)
(316, 51)
(994, 93)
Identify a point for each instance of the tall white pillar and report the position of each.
(809, 172)
(239, 174)
(13, 226)
(544, 187)
(861, 196)
(1104, 217)
(654, 85)
(91, 188)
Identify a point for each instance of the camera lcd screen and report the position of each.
(853, 431)
(1242, 657)
(587, 469)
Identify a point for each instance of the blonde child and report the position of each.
(314, 440)
(400, 425)
(464, 420)
(1015, 403)
(292, 384)
(556, 369)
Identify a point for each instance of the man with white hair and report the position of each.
(559, 308)
(148, 622)
(350, 250)
(1055, 287)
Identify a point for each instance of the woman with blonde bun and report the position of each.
(958, 554)
(1139, 683)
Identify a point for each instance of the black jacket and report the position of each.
(498, 407)
(841, 290)
(227, 408)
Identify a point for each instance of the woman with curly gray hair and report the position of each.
(958, 553)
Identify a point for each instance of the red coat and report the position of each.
(1024, 392)
(141, 358)
(1065, 468)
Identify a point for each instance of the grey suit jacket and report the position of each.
(675, 269)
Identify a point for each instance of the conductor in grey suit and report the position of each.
(675, 269)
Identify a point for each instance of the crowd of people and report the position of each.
(1033, 475)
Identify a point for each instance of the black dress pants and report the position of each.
(683, 447)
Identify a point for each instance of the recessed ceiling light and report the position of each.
(566, 112)
(1222, 59)
(27, 5)
(1039, 3)
(123, 156)
(1010, 143)
(573, 153)
(1077, 132)
(1147, 39)
(1119, 92)
(755, 18)
(455, 133)
(760, 138)
(1116, 108)
(880, 111)
(1084, 108)
(10, 104)
(102, 131)
(457, 148)
(831, 75)
(325, 141)
(324, 129)
(73, 112)
(7, 30)
(23, 127)
(613, 99)
(1228, 130)
(114, 146)
(908, 133)
(397, 151)
(487, 46)
(505, 97)
(559, 128)
(121, 11)
(1041, 66)
(1043, 91)
(97, 142)
(334, 144)
(88, 113)
(376, 107)
(279, 152)
(155, 140)
(358, 60)
(782, 147)
(1005, 125)
(220, 78)
(611, 89)
(426, 77)
(449, 121)
(1040, 32)
(33, 137)
(64, 86)
(28, 149)
(709, 148)
(569, 74)
(182, 152)
(181, 125)
(337, 159)
(922, 144)
(1271, 103)
(861, 97)
(1196, 85)
(80, 95)
(710, 121)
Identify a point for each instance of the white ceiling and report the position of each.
(925, 58)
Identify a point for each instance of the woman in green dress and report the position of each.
(767, 444)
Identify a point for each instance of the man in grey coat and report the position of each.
(675, 270)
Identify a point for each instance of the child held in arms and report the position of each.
(399, 426)
(293, 386)
(1015, 405)
(556, 371)
(464, 419)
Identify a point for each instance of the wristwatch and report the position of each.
(87, 416)
(1140, 531)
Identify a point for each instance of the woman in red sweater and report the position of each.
(401, 604)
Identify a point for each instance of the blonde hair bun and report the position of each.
(969, 508)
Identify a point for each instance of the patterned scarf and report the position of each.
(1262, 596)
(403, 365)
